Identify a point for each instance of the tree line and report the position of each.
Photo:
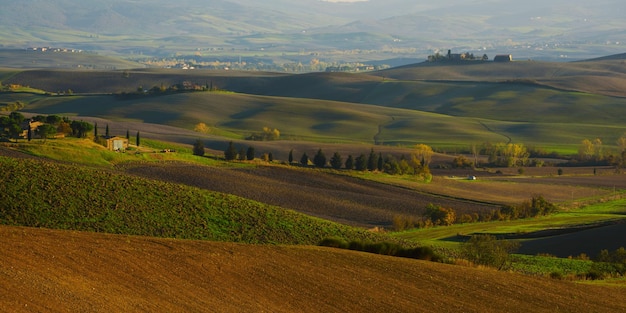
(435, 215)
(15, 125)
(417, 164)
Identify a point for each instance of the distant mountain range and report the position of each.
(384, 28)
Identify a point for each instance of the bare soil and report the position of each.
(66, 271)
(343, 199)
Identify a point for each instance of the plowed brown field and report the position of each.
(65, 271)
(343, 199)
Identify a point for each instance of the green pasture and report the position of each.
(87, 152)
(63, 196)
(322, 121)
(499, 101)
(443, 106)
(546, 265)
(446, 235)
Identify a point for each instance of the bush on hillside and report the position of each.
(383, 248)
(488, 250)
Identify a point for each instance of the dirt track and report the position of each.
(65, 271)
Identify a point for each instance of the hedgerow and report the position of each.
(384, 248)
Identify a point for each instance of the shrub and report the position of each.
(556, 275)
(384, 248)
(488, 250)
(334, 243)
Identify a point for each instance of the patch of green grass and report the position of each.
(544, 265)
(87, 152)
(444, 234)
(616, 207)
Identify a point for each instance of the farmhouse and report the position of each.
(117, 143)
(457, 56)
(503, 58)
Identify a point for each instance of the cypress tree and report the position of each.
(95, 131)
(106, 132)
(350, 163)
(336, 161)
(230, 153)
(137, 139)
(304, 160)
(290, 156)
(372, 161)
(127, 135)
(380, 161)
(198, 148)
(250, 154)
(319, 159)
(361, 163)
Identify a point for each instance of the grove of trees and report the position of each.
(14, 125)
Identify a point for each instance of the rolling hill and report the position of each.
(101, 273)
(375, 29)
(554, 105)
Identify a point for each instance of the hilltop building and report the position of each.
(457, 56)
(503, 58)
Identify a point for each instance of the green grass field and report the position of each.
(601, 212)
(55, 195)
(443, 106)
(326, 121)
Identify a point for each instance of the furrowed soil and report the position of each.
(59, 271)
(338, 198)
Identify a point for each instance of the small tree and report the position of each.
(304, 160)
(487, 250)
(250, 154)
(45, 131)
(80, 129)
(372, 161)
(127, 135)
(14, 130)
(361, 163)
(30, 133)
(336, 161)
(290, 156)
(64, 128)
(201, 128)
(230, 153)
(319, 159)
(137, 140)
(106, 132)
(95, 131)
(242, 154)
(349, 163)
(17, 117)
(53, 119)
(198, 148)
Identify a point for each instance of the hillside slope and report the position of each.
(59, 271)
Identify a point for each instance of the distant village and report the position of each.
(51, 49)
(462, 57)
